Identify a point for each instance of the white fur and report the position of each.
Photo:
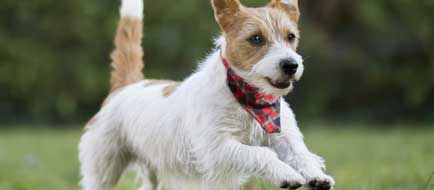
(132, 8)
(198, 138)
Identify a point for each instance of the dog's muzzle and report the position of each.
(288, 66)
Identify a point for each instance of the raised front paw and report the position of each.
(322, 182)
(291, 185)
(291, 180)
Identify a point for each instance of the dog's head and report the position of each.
(261, 42)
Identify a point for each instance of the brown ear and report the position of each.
(225, 11)
(289, 6)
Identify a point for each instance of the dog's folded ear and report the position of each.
(225, 11)
(289, 6)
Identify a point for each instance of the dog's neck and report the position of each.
(265, 108)
(212, 70)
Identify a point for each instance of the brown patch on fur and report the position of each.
(127, 63)
(147, 84)
(169, 89)
(157, 82)
(290, 8)
(225, 11)
(240, 23)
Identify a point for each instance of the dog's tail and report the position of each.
(127, 57)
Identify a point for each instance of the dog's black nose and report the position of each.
(288, 66)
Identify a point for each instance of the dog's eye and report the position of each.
(257, 40)
(291, 37)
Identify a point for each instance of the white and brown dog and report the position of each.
(201, 134)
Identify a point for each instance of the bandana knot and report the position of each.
(264, 108)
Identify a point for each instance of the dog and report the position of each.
(225, 123)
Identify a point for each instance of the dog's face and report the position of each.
(261, 42)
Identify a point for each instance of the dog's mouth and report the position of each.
(280, 84)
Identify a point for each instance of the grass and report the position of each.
(359, 159)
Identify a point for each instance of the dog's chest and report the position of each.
(248, 129)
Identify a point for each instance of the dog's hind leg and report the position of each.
(103, 154)
(149, 178)
(103, 158)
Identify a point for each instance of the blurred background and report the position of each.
(366, 100)
(370, 60)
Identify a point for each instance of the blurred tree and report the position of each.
(374, 59)
(371, 59)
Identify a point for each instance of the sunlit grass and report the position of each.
(359, 159)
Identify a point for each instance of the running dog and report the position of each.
(225, 123)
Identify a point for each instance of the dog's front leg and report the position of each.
(258, 161)
(290, 147)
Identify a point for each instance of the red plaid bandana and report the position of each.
(264, 108)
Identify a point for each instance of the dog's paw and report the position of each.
(323, 182)
(291, 185)
(291, 181)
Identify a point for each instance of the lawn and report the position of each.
(359, 159)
